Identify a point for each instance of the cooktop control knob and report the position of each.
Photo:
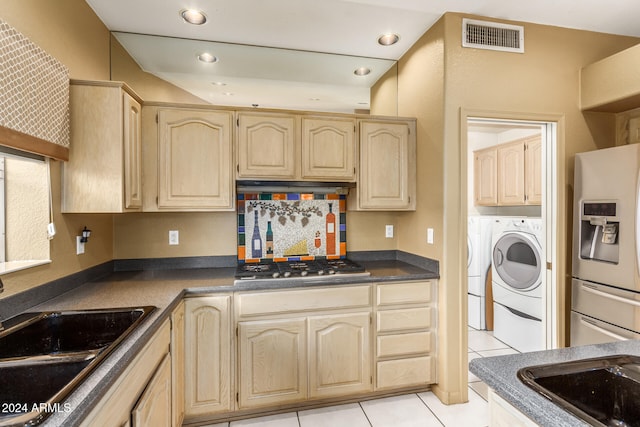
(275, 275)
(332, 272)
(287, 274)
(320, 272)
(304, 273)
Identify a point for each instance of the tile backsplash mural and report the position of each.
(291, 226)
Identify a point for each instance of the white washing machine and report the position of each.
(478, 263)
(517, 272)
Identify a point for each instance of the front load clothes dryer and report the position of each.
(478, 264)
(517, 272)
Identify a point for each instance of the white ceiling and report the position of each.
(343, 27)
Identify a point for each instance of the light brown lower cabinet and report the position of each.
(154, 407)
(207, 356)
(146, 377)
(293, 346)
(340, 354)
(405, 334)
(272, 362)
(503, 413)
(177, 363)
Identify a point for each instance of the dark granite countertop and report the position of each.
(500, 374)
(165, 289)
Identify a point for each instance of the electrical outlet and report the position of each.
(388, 231)
(430, 236)
(79, 245)
(174, 237)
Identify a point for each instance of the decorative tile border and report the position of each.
(291, 226)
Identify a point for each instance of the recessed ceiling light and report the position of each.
(362, 71)
(388, 39)
(314, 99)
(193, 16)
(227, 93)
(218, 83)
(207, 57)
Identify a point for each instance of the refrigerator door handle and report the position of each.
(600, 293)
(591, 324)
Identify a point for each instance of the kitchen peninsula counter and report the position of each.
(165, 289)
(500, 374)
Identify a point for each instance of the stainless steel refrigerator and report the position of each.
(605, 299)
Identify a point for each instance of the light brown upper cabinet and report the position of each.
(387, 177)
(485, 182)
(509, 174)
(328, 149)
(533, 170)
(103, 174)
(293, 147)
(267, 146)
(195, 160)
(511, 187)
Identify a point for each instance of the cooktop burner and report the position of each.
(297, 269)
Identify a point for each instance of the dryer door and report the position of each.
(517, 260)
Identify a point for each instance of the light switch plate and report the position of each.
(79, 245)
(388, 231)
(174, 237)
(430, 236)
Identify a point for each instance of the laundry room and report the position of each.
(507, 293)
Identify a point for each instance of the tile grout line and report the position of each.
(430, 410)
(365, 414)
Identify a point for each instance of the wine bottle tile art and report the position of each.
(291, 226)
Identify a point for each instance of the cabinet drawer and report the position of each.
(276, 302)
(404, 373)
(404, 319)
(404, 344)
(404, 293)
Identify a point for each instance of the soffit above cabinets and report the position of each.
(336, 29)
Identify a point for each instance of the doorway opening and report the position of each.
(511, 169)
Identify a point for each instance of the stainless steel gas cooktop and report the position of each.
(298, 270)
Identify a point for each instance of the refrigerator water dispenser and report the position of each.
(599, 229)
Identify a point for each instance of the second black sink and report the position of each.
(602, 391)
(44, 356)
(69, 331)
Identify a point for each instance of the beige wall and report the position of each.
(438, 81)
(69, 31)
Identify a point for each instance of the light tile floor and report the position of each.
(410, 410)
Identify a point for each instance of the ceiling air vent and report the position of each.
(492, 35)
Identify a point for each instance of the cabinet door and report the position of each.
(339, 354)
(177, 364)
(132, 137)
(485, 177)
(207, 355)
(103, 171)
(328, 149)
(387, 166)
(272, 357)
(511, 188)
(195, 154)
(154, 407)
(533, 170)
(267, 145)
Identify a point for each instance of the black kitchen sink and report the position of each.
(44, 356)
(67, 331)
(29, 391)
(602, 391)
